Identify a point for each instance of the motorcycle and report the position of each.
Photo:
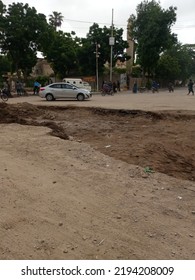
(171, 88)
(155, 86)
(107, 89)
(154, 89)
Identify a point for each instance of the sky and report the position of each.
(79, 15)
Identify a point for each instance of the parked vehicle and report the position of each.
(78, 82)
(64, 91)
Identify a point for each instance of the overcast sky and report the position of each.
(80, 14)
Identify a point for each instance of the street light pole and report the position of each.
(97, 46)
(111, 42)
(97, 56)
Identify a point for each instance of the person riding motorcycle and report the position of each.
(107, 88)
(170, 87)
(155, 86)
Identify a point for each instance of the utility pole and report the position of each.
(111, 43)
(97, 56)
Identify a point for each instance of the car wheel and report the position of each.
(80, 97)
(49, 97)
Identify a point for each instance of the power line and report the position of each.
(176, 27)
(90, 22)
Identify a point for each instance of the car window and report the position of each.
(67, 86)
(56, 86)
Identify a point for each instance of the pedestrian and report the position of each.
(190, 87)
(114, 86)
(18, 88)
(170, 87)
(110, 84)
(36, 87)
(135, 87)
(118, 86)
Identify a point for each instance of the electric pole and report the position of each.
(97, 46)
(111, 42)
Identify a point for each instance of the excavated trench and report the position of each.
(161, 141)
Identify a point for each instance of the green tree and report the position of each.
(55, 20)
(2, 8)
(151, 30)
(21, 31)
(168, 68)
(176, 63)
(99, 37)
(61, 53)
(5, 66)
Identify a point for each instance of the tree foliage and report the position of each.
(55, 20)
(97, 43)
(176, 63)
(151, 30)
(61, 53)
(21, 31)
(24, 32)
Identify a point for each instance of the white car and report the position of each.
(63, 90)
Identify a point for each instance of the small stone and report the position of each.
(193, 212)
(60, 224)
(65, 251)
(54, 182)
(118, 217)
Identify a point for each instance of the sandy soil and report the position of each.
(80, 182)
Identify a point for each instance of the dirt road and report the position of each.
(126, 100)
(94, 183)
